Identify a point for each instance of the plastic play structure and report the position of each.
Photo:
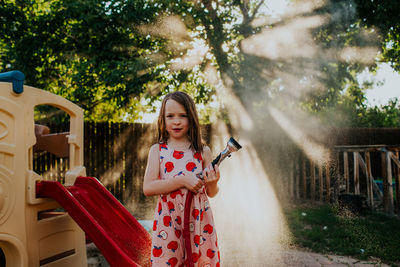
(33, 230)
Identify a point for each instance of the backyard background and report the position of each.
(116, 153)
(286, 85)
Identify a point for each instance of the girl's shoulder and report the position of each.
(155, 148)
(153, 153)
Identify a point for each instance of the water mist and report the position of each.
(282, 65)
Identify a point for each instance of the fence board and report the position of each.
(312, 183)
(387, 185)
(304, 177)
(328, 181)
(113, 153)
(116, 154)
(320, 182)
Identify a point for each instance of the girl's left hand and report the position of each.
(211, 175)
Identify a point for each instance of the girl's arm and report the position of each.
(212, 176)
(154, 186)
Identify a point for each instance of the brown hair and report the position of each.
(194, 132)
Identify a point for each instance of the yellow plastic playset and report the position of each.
(32, 233)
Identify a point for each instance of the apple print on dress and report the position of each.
(208, 229)
(163, 235)
(206, 205)
(171, 206)
(159, 208)
(198, 240)
(210, 253)
(172, 262)
(161, 159)
(173, 245)
(196, 256)
(198, 156)
(155, 225)
(178, 154)
(191, 166)
(178, 220)
(163, 146)
(169, 166)
(195, 214)
(157, 251)
(175, 193)
(178, 233)
(179, 174)
(167, 220)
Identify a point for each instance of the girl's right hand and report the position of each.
(192, 183)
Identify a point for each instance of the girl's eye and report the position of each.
(184, 115)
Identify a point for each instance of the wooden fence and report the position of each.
(369, 170)
(116, 153)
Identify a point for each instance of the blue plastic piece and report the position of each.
(380, 184)
(16, 77)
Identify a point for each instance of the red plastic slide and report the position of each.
(115, 232)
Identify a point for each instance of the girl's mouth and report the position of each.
(176, 129)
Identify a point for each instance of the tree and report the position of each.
(109, 56)
(383, 15)
(311, 56)
(93, 53)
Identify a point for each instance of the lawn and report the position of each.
(328, 229)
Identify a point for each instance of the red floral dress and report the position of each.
(168, 247)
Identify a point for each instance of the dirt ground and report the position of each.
(290, 257)
(295, 257)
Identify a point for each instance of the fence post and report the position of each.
(346, 171)
(320, 182)
(328, 181)
(304, 178)
(290, 182)
(297, 166)
(356, 177)
(387, 184)
(397, 183)
(312, 184)
(369, 179)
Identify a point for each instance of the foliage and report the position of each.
(117, 58)
(387, 115)
(327, 229)
(383, 15)
(331, 93)
(93, 53)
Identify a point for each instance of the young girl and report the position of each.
(171, 173)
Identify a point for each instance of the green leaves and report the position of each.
(107, 56)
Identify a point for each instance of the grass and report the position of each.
(327, 229)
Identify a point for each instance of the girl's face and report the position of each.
(176, 120)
